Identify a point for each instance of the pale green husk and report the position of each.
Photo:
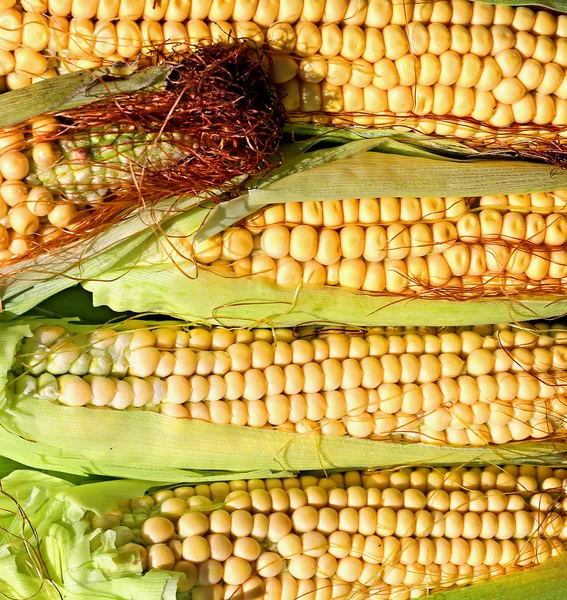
(558, 5)
(73, 571)
(160, 280)
(153, 447)
(55, 507)
(42, 277)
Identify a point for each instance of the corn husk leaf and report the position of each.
(347, 171)
(364, 174)
(149, 446)
(248, 302)
(546, 582)
(559, 5)
(75, 571)
(73, 90)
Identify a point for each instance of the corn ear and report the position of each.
(82, 562)
(154, 447)
(345, 171)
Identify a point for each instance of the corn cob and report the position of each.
(499, 65)
(465, 247)
(387, 535)
(460, 386)
(341, 59)
(26, 211)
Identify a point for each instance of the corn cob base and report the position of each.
(384, 535)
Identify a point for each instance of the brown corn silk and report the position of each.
(205, 133)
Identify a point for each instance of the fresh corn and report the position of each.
(461, 386)
(498, 65)
(31, 214)
(167, 142)
(391, 535)
(456, 68)
(388, 535)
(439, 61)
(458, 60)
(427, 246)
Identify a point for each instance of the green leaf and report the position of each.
(74, 570)
(410, 140)
(558, 5)
(75, 302)
(371, 175)
(77, 89)
(545, 582)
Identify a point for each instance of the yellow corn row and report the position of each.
(387, 535)
(464, 247)
(31, 215)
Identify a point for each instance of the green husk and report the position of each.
(74, 90)
(152, 447)
(558, 5)
(37, 279)
(369, 175)
(546, 582)
(168, 282)
(74, 571)
(248, 302)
